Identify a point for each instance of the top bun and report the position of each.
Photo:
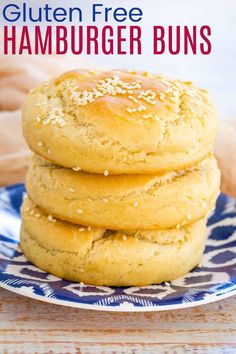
(119, 122)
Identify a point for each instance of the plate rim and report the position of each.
(209, 300)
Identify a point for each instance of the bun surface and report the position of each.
(104, 257)
(124, 202)
(119, 122)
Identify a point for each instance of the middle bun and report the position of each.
(124, 202)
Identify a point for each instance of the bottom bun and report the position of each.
(105, 257)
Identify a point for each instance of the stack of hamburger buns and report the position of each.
(122, 177)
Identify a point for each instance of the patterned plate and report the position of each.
(214, 280)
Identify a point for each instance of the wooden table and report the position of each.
(29, 326)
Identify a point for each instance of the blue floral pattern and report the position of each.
(214, 279)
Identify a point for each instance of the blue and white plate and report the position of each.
(214, 280)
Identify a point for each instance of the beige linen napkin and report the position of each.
(14, 154)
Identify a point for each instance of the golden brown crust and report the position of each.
(125, 202)
(103, 257)
(119, 122)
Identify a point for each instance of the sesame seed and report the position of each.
(204, 204)
(77, 168)
(40, 143)
(162, 97)
(31, 212)
(189, 217)
(183, 222)
(89, 228)
(141, 108)
(71, 189)
(131, 110)
(81, 283)
(106, 173)
(135, 204)
(81, 270)
(132, 98)
(124, 237)
(27, 209)
(148, 96)
(37, 215)
(81, 229)
(79, 211)
(178, 226)
(50, 218)
(49, 152)
(38, 119)
(55, 116)
(146, 116)
(105, 200)
(109, 86)
(175, 93)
